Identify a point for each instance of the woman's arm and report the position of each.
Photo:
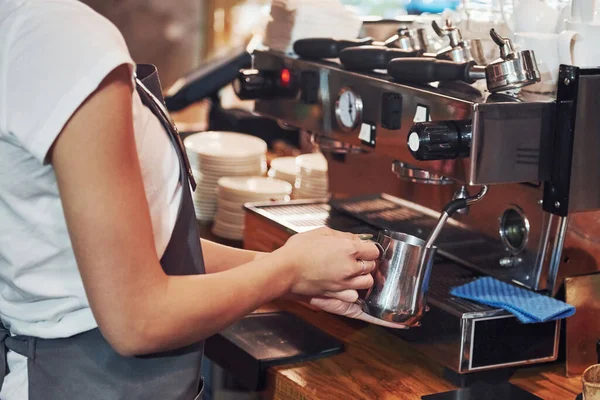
(139, 309)
(218, 258)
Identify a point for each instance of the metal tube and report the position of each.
(478, 196)
(477, 72)
(436, 231)
(555, 259)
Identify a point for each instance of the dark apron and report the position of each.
(85, 366)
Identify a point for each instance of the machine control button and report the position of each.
(422, 114)
(250, 84)
(253, 84)
(414, 141)
(391, 111)
(367, 134)
(440, 140)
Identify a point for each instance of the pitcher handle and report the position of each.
(377, 244)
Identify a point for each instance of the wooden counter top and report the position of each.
(378, 365)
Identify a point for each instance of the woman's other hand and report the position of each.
(350, 310)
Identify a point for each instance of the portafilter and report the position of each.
(514, 69)
(401, 278)
(406, 44)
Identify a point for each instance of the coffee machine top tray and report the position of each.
(371, 213)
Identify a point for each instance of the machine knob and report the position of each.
(440, 140)
(251, 84)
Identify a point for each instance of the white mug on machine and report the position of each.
(551, 50)
(585, 45)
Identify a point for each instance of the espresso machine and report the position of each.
(447, 120)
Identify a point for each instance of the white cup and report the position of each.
(551, 50)
(583, 11)
(535, 16)
(585, 45)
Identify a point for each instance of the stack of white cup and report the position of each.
(569, 36)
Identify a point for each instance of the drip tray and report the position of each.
(259, 341)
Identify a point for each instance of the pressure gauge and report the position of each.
(348, 109)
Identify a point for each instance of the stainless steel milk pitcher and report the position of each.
(401, 279)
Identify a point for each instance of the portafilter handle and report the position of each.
(450, 209)
(424, 70)
(367, 58)
(324, 48)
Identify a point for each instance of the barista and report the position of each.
(106, 289)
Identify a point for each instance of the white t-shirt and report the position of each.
(53, 55)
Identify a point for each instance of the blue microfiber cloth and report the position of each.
(528, 306)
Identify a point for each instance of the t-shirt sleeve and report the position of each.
(57, 55)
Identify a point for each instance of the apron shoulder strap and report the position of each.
(150, 91)
(148, 75)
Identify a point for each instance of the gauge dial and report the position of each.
(348, 109)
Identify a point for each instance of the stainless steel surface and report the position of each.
(507, 130)
(458, 50)
(327, 145)
(513, 70)
(459, 242)
(584, 194)
(561, 233)
(437, 229)
(461, 193)
(405, 39)
(447, 212)
(413, 174)
(401, 279)
(477, 72)
(507, 133)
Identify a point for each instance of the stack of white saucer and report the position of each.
(234, 192)
(311, 176)
(216, 154)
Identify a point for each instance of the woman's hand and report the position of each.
(325, 261)
(350, 310)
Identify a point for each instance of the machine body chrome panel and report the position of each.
(508, 131)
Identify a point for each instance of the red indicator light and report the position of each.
(285, 77)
